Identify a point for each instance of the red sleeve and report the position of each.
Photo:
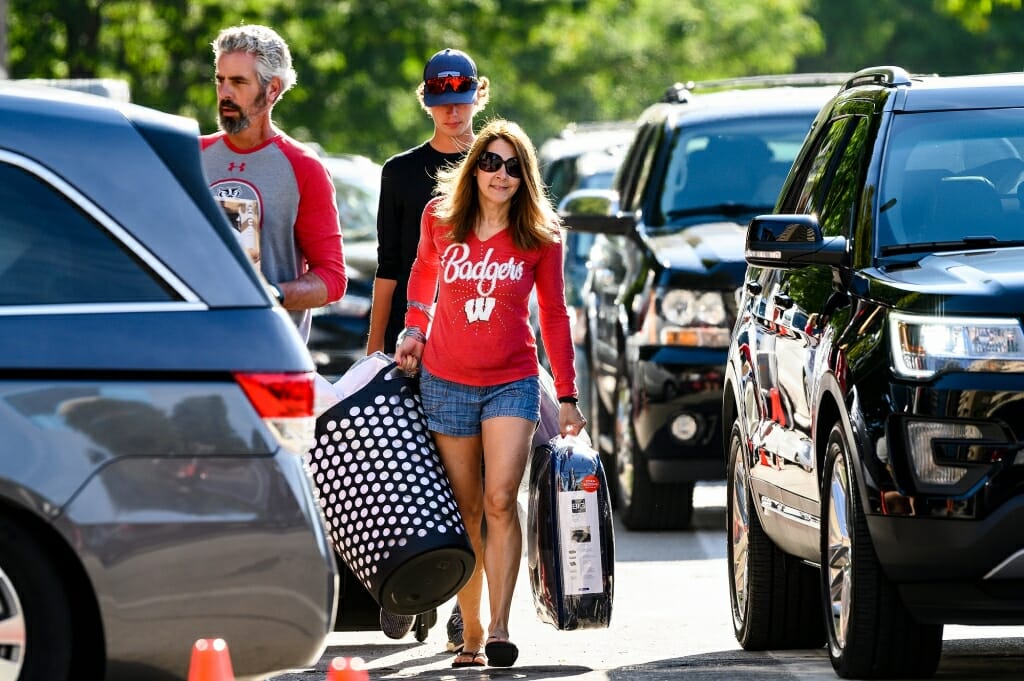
(423, 277)
(317, 230)
(208, 140)
(554, 320)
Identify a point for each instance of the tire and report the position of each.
(35, 611)
(643, 504)
(871, 634)
(775, 600)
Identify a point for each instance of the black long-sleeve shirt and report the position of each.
(407, 184)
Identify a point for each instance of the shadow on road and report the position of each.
(983, 659)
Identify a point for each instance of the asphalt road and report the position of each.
(670, 620)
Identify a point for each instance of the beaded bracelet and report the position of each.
(414, 332)
(422, 307)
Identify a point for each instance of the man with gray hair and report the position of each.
(274, 189)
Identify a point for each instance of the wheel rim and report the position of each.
(12, 631)
(625, 451)
(739, 524)
(840, 554)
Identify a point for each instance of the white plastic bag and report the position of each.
(328, 394)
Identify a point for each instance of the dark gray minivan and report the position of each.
(154, 409)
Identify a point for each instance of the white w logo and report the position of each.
(479, 309)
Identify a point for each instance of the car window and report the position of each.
(838, 206)
(952, 174)
(817, 178)
(639, 162)
(739, 163)
(559, 178)
(357, 209)
(51, 252)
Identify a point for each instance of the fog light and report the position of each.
(922, 436)
(685, 427)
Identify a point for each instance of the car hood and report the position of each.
(700, 247)
(976, 282)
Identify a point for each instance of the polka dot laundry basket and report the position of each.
(386, 499)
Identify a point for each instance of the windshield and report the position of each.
(952, 176)
(731, 169)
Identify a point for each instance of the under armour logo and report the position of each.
(479, 309)
(233, 165)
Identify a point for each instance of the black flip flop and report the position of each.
(501, 653)
(477, 660)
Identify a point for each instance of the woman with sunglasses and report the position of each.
(487, 241)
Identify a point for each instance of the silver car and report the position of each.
(154, 405)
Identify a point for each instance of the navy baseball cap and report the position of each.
(449, 78)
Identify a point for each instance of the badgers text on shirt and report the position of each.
(486, 274)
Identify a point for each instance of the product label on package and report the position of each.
(580, 543)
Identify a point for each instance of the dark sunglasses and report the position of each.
(437, 86)
(489, 162)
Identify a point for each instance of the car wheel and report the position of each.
(871, 634)
(774, 597)
(35, 613)
(643, 504)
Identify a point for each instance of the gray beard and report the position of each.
(233, 126)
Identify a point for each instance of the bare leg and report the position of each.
(506, 443)
(462, 458)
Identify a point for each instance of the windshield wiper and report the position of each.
(730, 208)
(959, 245)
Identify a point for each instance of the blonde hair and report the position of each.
(532, 220)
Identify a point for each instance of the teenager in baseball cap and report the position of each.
(451, 93)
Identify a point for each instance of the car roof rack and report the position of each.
(891, 76)
(680, 92)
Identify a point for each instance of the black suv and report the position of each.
(874, 395)
(660, 295)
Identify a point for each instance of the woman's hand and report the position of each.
(570, 419)
(408, 355)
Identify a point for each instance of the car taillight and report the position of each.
(285, 403)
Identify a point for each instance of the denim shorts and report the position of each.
(456, 409)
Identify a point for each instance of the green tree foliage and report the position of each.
(551, 62)
(948, 37)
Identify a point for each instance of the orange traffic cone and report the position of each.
(210, 661)
(346, 669)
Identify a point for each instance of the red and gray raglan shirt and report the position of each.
(283, 191)
(481, 333)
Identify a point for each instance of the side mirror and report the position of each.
(595, 210)
(784, 241)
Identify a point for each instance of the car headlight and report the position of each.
(688, 318)
(924, 345)
(687, 308)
